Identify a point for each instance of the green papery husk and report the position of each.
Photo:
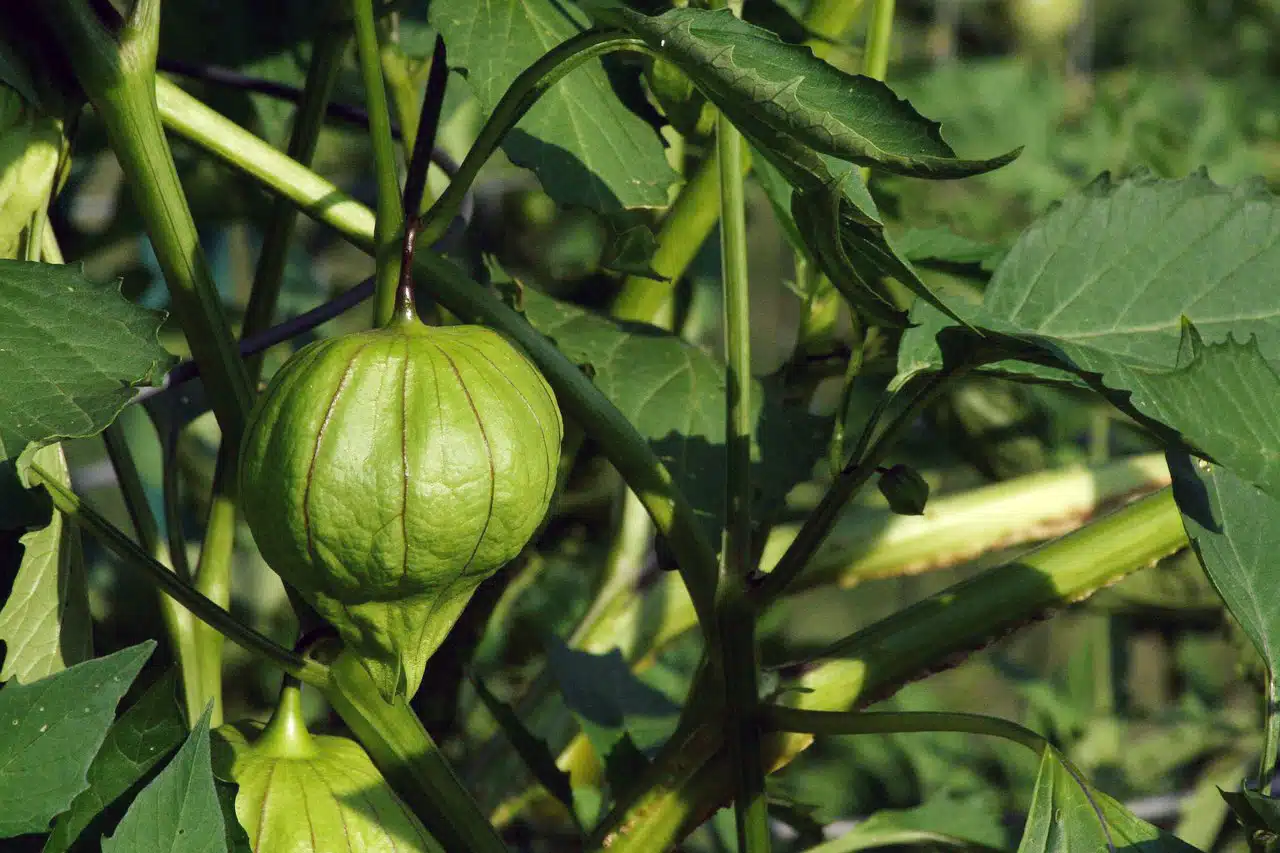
(303, 793)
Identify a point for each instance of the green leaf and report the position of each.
(1256, 811)
(145, 735)
(50, 732)
(1235, 531)
(630, 252)
(673, 393)
(178, 812)
(608, 700)
(1117, 285)
(942, 245)
(924, 825)
(585, 146)
(72, 352)
(45, 623)
(1068, 816)
(533, 750)
(1110, 272)
(770, 88)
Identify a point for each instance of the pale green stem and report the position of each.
(390, 218)
(783, 719)
(875, 63)
(869, 544)
(213, 581)
(213, 570)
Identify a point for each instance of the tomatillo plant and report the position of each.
(590, 549)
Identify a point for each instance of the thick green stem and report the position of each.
(522, 94)
(935, 632)
(120, 80)
(828, 20)
(390, 216)
(411, 760)
(122, 546)
(868, 544)
(582, 401)
(683, 231)
(736, 639)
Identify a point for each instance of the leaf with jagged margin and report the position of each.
(584, 145)
(1111, 271)
(51, 730)
(45, 623)
(1119, 283)
(71, 353)
(770, 88)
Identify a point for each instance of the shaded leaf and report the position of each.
(585, 147)
(1235, 531)
(533, 750)
(945, 246)
(45, 622)
(607, 699)
(770, 88)
(145, 735)
(673, 393)
(237, 838)
(1066, 817)
(1255, 811)
(51, 730)
(631, 252)
(178, 812)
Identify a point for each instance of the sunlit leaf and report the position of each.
(45, 623)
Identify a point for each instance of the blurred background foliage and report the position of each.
(1147, 686)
